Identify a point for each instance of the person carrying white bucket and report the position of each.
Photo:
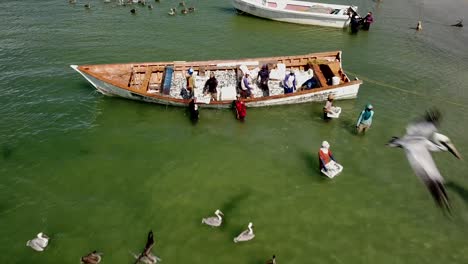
(328, 164)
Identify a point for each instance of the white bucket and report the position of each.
(335, 80)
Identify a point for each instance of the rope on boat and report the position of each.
(408, 91)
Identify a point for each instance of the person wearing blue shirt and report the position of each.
(365, 119)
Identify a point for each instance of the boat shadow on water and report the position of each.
(230, 206)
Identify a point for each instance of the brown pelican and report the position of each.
(214, 220)
(419, 26)
(39, 243)
(420, 140)
(272, 260)
(92, 258)
(146, 256)
(246, 235)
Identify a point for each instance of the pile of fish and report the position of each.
(226, 79)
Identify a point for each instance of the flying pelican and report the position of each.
(39, 243)
(246, 235)
(422, 138)
(214, 220)
(92, 258)
(272, 260)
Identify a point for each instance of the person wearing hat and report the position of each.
(365, 119)
(328, 108)
(190, 82)
(325, 155)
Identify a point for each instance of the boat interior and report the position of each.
(169, 78)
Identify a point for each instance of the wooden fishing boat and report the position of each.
(162, 82)
(299, 12)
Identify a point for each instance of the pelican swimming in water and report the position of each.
(246, 235)
(39, 243)
(92, 258)
(214, 220)
(419, 26)
(172, 12)
(272, 260)
(146, 256)
(420, 140)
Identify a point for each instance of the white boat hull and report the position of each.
(279, 12)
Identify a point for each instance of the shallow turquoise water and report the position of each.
(99, 173)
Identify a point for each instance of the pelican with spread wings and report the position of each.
(421, 139)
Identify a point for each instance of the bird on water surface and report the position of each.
(214, 221)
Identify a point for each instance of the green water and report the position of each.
(98, 173)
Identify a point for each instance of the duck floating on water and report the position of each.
(72, 1)
(214, 221)
(272, 260)
(133, 11)
(87, 6)
(150, 7)
(191, 9)
(246, 235)
(39, 243)
(92, 258)
(184, 11)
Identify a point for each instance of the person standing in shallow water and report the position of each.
(365, 119)
(367, 21)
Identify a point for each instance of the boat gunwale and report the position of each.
(85, 69)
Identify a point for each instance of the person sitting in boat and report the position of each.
(264, 77)
(367, 21)
(289, 83)
(190, 82)
(193, 110)
(246, 87)
(210, 87)
(309, 84)
(241, 109)
(325, 155)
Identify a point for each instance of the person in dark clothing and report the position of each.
(210, 87)
(193, 110)
(264, 76)
(367, 21)
(355, 23)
